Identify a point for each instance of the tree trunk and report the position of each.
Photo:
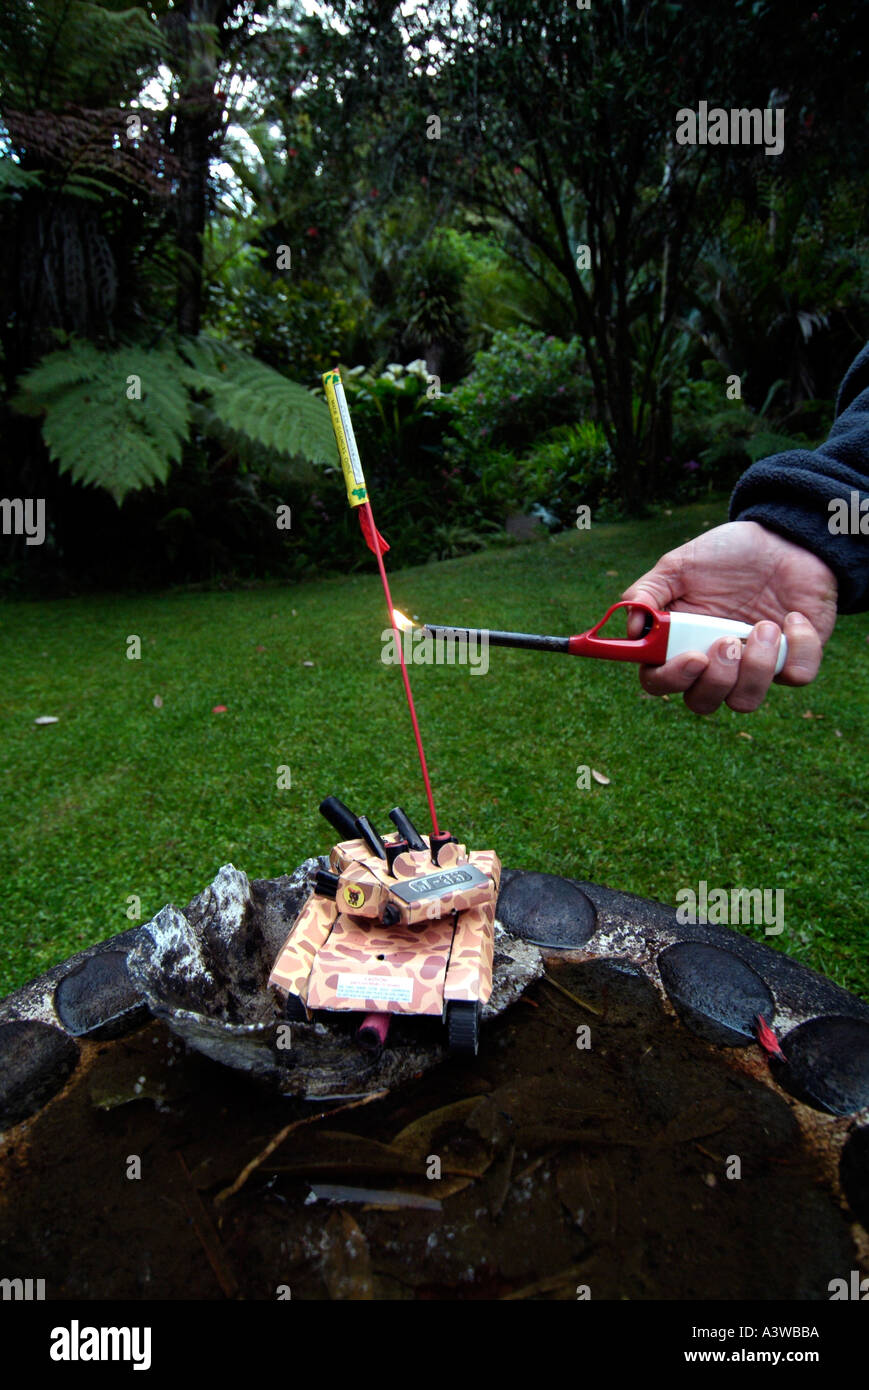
(196, 120)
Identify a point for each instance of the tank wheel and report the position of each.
(463, 1026)
(295, 1010)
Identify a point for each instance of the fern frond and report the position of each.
(101, 430)
(256, 401)
(80, 362)
(96, 425)
(13, 178)
(53, 50)
(86, 186)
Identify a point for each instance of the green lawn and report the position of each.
(121, 797)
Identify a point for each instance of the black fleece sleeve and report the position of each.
(791, 493)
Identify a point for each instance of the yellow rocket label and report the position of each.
(351, 464)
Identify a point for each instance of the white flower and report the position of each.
(419, 367)
(394, 368)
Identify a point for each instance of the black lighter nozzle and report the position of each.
(370, 836)
(406, 828)
(340, 817)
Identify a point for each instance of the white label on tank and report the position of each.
(383, 987)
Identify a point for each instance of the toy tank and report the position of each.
(397, 925)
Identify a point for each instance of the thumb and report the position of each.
(658, 587)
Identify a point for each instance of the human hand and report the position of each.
(739, 570)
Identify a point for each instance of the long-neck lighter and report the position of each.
(664, 635)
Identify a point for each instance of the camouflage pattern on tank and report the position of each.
(310, 932)
(409, 980)
(469, 975)
(365, 885)
(436, 946)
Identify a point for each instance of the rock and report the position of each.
(35, 1061)
(545, 910)
(98, 999)
(715, 993)
(169, 964)
(524, 527)
(827, 1064)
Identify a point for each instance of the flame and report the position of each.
(402, 622)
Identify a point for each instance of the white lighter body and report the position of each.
(696, 632)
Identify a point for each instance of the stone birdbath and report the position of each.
(621, 1133)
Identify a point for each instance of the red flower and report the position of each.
(292, 153)
(312, 231)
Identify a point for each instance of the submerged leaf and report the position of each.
(450, 1134)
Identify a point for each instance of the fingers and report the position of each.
(678, 674)
(715, 684)
(706, 681)
(732, 673)
(805, 650)
(756, 669)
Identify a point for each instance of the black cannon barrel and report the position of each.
(326, 884)
(393, 850)
(370, 836)
(340, 817)
(405, 827)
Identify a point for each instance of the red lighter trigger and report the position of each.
(650, 647)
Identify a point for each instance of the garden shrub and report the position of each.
(571, 466)
(715, 440)
(520, 387)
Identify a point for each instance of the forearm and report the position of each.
(791, 493)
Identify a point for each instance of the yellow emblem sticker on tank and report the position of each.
(354, 896)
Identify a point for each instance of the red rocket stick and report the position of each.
(357, 494)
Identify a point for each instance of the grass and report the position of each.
(122, 799)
